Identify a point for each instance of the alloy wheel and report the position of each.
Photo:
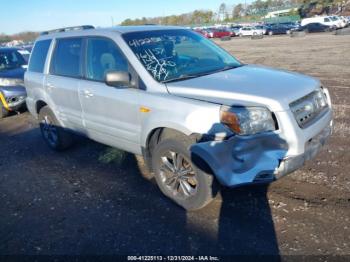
(177, 175)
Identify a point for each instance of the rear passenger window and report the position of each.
(66, 58)
(38, 56)
(103, 56)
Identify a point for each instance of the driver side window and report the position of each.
(103, 56)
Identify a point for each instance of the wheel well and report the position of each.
(39, 105)
(158, 134)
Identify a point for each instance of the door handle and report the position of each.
(88, 93)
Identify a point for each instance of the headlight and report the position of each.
(14, 100)
(11, 82)
(247, 120)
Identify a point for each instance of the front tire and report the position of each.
(179, 178)
(54, 135)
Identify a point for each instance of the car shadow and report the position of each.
(73, 203)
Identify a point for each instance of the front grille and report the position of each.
(309, 107)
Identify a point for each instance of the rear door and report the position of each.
(35, 75)
(62, 83)
(111, 114)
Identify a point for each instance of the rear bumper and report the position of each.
(256, 159)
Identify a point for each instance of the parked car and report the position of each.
(205, 32)
(340, 22)
(12, 91)
(263, 28)
(235, 29)
(277, 29)
(315, 28)
(220, 32)
(324, 20)
(250, 31)
(232, 32)
(197, 115)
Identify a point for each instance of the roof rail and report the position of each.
(65, 29)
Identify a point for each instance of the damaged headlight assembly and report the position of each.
(247, 120)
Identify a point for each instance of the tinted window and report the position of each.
(38, 56)
(103, 56)
(66, 58)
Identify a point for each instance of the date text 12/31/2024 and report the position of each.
(173, 258)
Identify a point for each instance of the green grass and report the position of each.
(112, 155)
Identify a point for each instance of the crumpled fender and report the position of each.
(240, 159)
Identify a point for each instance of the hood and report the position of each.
(8, 91)
(17, 73)
(249, 85)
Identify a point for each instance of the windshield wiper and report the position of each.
(180, 78)
(189, 76)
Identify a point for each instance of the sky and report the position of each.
(39, 15)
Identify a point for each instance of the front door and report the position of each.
(111, 115)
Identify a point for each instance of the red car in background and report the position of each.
(219, 33)
(215, 33)
(206, 32)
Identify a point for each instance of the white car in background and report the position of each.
(332, 21)
(341, 22)
(250, 31)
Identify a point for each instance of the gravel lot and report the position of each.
(82, 202)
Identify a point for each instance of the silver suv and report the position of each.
(198, 116)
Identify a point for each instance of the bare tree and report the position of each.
(222, 12)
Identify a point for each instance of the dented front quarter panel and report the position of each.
(260, 158)
(241, 159)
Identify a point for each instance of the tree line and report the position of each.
(24, 36)
(228, 13)
(225, 13)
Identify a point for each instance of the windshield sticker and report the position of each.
(157, 67)
(141, 42)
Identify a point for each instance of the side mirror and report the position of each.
(118, 79)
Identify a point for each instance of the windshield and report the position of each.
(10, 60)
(171, 55)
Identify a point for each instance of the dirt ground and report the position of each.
(76, 202)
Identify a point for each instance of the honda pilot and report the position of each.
(198, 116)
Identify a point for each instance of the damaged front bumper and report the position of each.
(255, 159)
(312, 147)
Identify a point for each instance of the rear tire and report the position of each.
(54, 135)
(179, 178)
(3, 111)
